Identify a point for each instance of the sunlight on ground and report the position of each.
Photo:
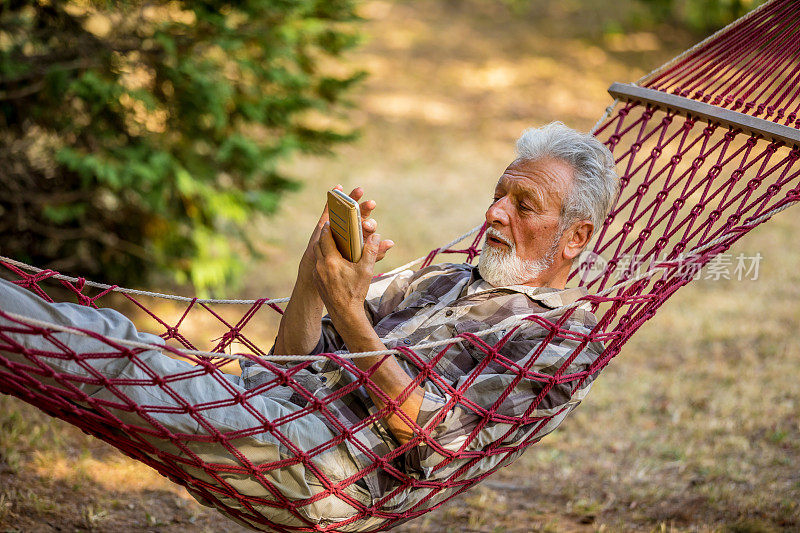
(109, 473)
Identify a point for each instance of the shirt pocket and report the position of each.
(462, 357)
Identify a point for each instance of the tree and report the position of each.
(701, 16)
(140, 137)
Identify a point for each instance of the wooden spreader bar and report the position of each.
(686, 106)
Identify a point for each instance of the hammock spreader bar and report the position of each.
(726, 117)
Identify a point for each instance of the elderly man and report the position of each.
(545, 208)
(543, 213)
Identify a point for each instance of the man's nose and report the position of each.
(498, 212)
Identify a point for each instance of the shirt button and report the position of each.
(449, 312)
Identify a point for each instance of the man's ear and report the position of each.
(580, 233)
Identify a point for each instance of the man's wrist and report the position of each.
(305, 270)
(352, 323)
(304, 288)
(351, 317)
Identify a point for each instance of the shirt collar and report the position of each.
(547, 296)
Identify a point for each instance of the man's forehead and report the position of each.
(541, 177)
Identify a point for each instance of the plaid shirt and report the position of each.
(440, 302)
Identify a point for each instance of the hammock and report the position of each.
(707, 149)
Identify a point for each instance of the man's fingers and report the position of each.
(356, 193)
(369, 226)
(367, 208)
(384, 247)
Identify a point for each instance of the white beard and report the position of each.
(502, 267)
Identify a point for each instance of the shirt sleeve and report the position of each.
(450, 416)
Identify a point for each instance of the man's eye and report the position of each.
(523, 207)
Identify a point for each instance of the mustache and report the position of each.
(491, 232)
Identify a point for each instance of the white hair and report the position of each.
(595, 185)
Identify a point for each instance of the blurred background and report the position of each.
(187, 147)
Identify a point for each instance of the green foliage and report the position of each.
(700, 16)
(140, 137)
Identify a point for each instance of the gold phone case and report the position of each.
(345, 218)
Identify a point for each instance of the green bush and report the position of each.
(142, 137)
(700, 16)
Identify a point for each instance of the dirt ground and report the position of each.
(694, 427)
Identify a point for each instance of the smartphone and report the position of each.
(345, 218)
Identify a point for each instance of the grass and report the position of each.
(694, 427)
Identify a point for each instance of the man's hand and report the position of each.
(325, 276)
(299, 329)
(343, 285)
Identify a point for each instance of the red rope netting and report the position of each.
(690, 188)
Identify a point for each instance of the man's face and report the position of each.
(523, 244)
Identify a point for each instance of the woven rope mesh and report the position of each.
(690, 189)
